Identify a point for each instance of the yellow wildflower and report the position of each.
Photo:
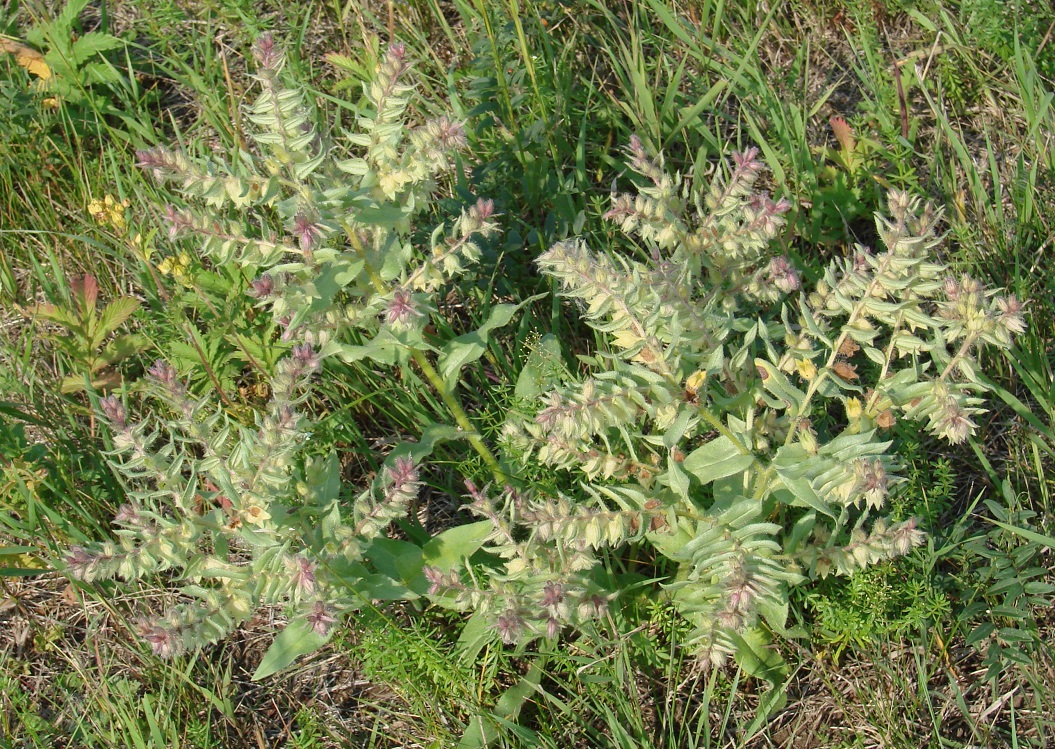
(109, 211)
(695, 381)
(255, 515)
(176, 266)
(806, 368)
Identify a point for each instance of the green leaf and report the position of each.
(677, 430)
(387, 215)
(769, 704)
(384, 348)
(677, 479)
(777, 383)
(476, 633)
(1027, 534)
(297, 639)
(21, 571)
(717, 459)
(92, 43)
(542, 370)
(432, 435)
(803, 494)
(483, 729)
(323, 477)
(384, 588)
(756, 655)
(400, 560)
(775, 611)
(114, 316)
(124, 346)
(467, 348)
(449, 548)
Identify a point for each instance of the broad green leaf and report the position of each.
(775, 612)
(542, 370)
(677, 430)
(756, 655)
(400, 560)
(384, 349)
(777, 383)
(476, 633)
(297, 639)
(430, 437)
(717, 459)
(467, 348)
(483, 729)
(449, 548)
(677, 479)
(804, 495)
(323, 477)
(387, 215)
(384, 588)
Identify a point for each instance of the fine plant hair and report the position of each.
(738, 424)
(323, 223)
(735, 424)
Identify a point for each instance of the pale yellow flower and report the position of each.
(806, 368)
(255, 515)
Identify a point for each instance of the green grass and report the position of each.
(552, 90)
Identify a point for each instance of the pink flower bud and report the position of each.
(320, 619)
(266, 52)
(263, 287)
(163, 642)
(115, 412)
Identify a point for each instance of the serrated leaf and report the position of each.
(91, 44)
(717, 459)
(123, 347)
(115, 314)
(297, 639)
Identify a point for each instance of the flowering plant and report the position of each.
(739, 425)
(736, 425)
(324, 229)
